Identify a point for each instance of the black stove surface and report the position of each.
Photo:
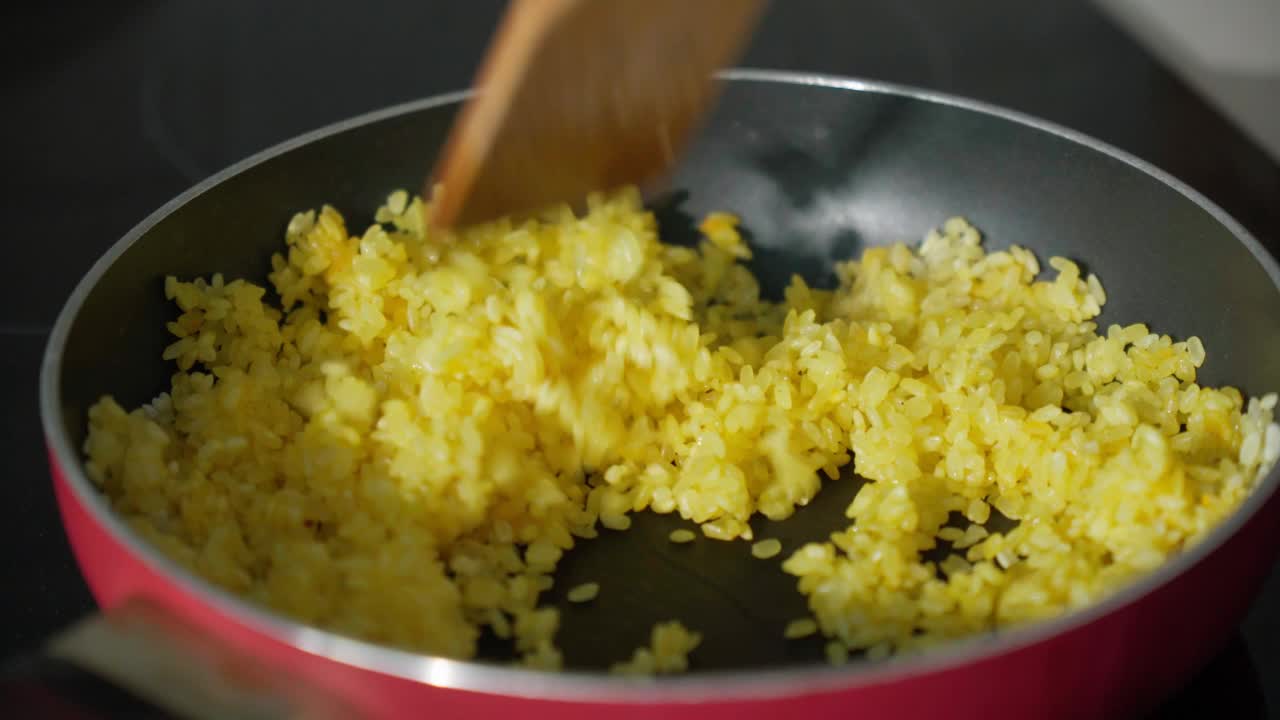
(114, 108)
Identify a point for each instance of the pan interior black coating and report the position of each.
(817, 173)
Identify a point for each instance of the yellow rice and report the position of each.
(766, 549)
(837, 652)
(804, 627)
(586, 592)
(403, 445)
(668, 651)
(682, 536)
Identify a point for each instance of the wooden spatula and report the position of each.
(582, 95)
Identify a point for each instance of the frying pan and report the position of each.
(818, 168)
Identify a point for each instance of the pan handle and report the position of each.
(139, 661)
(42, 686)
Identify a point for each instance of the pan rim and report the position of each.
(577, 686)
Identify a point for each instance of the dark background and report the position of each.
(110, 109)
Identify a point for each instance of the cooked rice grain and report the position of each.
(682, 536)
(766, 549)
(802, 628)
(586, 592)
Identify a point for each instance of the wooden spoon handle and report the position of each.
(582, 95)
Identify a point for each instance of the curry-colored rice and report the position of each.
(668, 651)
(395, 449)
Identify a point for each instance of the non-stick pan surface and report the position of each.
(818, 169)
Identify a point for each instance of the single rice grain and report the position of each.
(585, 592)
(766, 549)
(803, 627)
(682, 535)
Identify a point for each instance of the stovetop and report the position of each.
(114, 108)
